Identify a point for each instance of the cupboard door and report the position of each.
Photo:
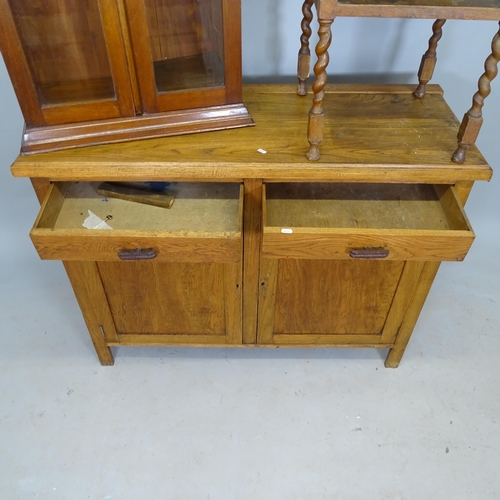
(155, 303)
(332, 302)
(70, 61)
(187, 52)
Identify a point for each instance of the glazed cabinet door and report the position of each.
(341, 262)
(187, 52)
(66, 59)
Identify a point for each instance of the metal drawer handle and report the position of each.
(137, 254)
(369, 253)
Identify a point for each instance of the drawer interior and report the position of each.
(360, 205)
(197, 207)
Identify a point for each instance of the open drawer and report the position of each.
(204, 224)
(364, 221)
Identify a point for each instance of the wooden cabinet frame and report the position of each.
(234, 159)
(329, 10)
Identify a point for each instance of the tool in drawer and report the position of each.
(125, 191)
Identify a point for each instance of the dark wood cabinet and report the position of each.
(99, 71)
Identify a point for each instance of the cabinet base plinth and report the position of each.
(52, 138)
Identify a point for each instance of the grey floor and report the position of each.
(175, 423)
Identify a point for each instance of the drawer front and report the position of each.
(63, 246)
(203, 225)
(424, 223)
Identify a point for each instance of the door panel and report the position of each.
(186, 52)
(75, 58)
(334, 297)
(174, 301)
(326, 301)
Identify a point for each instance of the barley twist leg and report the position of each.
(304, 61)
(473, 119)
(317, 115)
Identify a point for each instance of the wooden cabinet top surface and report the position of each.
(372, 134)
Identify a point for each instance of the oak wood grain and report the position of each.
(166, 298)
(304, 295)
(75, 245)
(337, 244)
(333, 297)
(41, 187)
(318, 221)
(204, 224)
(421, 291)
(87, 285)
(402, 299)
(233, 302)
(215, 341)
(166, 303)
(252, 230)
(364, 126)
(267, 300)
(319, 340)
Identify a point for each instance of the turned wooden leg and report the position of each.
(304, 62)
(317, 115)
(429, 59)
(473, 119)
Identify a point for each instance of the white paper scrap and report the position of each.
(94, 222)
(262, 151)
(287, 231)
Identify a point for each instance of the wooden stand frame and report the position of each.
(328, 10)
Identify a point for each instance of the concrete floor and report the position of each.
(176, 423)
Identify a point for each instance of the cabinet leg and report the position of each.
(304, 62)
(102, 350)
(86, 285)
(429, 59)
(473, 119)
(317, 115)
(422, 290)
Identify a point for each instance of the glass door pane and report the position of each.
(186, 39)
(65, 48)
